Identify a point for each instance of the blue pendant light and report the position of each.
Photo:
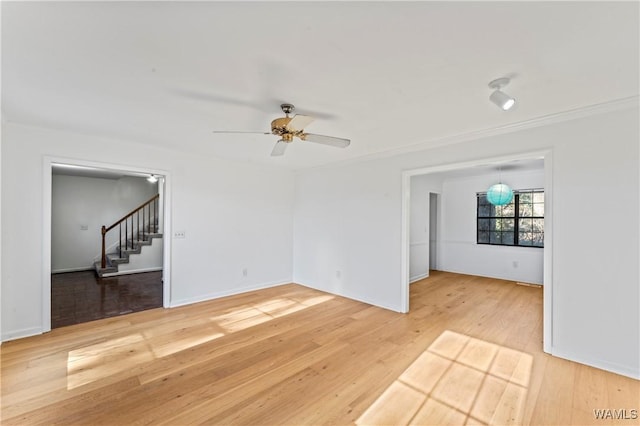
(499, 194)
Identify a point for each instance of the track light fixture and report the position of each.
(500, 98)
(152, 179)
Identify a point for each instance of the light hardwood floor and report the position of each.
(468, 352)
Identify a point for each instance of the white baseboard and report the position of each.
(19, 334)
(623, 370)
(134, 271)
(230, 292)
(357, 298)
(418, 277)
(65, 270)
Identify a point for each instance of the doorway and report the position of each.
(121, 293)
(408, 181)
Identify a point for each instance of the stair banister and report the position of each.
(105, 229)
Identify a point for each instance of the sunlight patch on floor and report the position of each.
(100, 360)
(249, 316)
(459, 379)
(88, 364)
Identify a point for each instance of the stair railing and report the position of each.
(130, 219)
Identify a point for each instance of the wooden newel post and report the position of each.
(104, 256)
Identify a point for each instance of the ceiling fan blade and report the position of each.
(299, 122)
(279, 148)
(240, 131)
(326, 140)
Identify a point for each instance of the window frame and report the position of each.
(516, 219)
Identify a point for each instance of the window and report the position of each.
(519, 223)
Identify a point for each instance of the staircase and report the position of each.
(135, 231)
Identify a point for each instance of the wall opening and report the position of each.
(433, 177)
(79, 198)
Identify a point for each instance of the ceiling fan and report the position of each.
(293, 127)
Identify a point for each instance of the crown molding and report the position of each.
(544, 120)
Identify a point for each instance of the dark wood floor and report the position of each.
(78, 297)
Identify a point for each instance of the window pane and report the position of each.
(507, 224)
(483, 237)
(509, 210)
(538, 209)
(484, 210)
(525, 225)
(525, 197)
(526, 210)
(538, 239)
(496, 238)
(524, 239)
(484, 224)
(538, 197)
(482, 200)
(538, 225)
(507, 238)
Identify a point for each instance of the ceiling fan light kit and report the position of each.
(293, 127)
(498, 97)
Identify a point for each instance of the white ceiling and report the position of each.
(387, 75)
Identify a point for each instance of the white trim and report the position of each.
(166, 238)
(405, 274)
(502, 277)
(133, 271)
(357, 297)
(548, 244)
(46, 244)
(419, 243)
(613, 367)
(547, 276)
(47, 164)
(79, 269)
(543, 120)
(232, 292)
(418, 278)
(19, 334)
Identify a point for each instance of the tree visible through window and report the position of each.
(519, 223)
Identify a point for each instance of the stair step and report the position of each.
(115, 259)
(120, 257)
(101, 271)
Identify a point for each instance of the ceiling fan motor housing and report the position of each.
(279, 128)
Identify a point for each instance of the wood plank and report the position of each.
(470, 350)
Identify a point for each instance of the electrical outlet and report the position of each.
(84, 227)
(515, 263)
(338, 274)
(245, 272)
(179, 234)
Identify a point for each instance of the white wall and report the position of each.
(94, 202)
(349, 218)
(419, 231)
(1, 125)
(149, 259)
(234, 215)
(459, 250)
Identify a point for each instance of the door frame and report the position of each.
(546, 155)
(47, 170)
